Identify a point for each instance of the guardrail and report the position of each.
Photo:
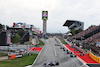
(95, 58)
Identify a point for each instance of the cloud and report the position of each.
(86, 11)
(30, 11)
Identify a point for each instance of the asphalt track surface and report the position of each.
(54, 53)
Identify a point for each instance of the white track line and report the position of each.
(55, 51)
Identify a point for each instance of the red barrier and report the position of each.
(35, 49)
(86, 57)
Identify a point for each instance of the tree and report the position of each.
(2, 27)
(92, 26)
(79, 30)
(32, 32)
(76, 31)
(73, 32)
(16, 38)
(21, 32)
(7, 27)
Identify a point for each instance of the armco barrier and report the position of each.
(96, 58)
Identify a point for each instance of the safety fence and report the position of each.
(96, 58)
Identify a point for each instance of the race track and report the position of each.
(54, 53)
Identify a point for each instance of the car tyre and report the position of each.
(70, 52)
(44, 64)
(60, 47)
(57, 63)
(75, 55)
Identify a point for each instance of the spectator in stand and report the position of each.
(86, 31)
(94, 38)
(98, 40)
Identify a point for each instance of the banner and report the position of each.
(8, 38)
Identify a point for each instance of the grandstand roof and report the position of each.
(69, 22)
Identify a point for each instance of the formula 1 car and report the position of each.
(52, 63)
(72, 55)
(69, 52)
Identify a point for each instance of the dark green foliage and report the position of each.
(32, 32)
(3, 54)
(16, 38)
(2, 27)
(92, 26)
(7, 27)
(73, 32)
(41, 43)
(21, 32)
(63, 41)
(76, 31)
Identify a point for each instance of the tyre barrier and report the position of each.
(95, 58)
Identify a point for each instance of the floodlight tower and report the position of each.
(44, 18)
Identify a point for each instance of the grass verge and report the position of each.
(19, 62)
(41, 42)
(3, 54)
(63, 41)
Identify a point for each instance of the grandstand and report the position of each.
(88, 32)
(91, 39)
(73, 24)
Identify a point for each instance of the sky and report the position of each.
(30, 12)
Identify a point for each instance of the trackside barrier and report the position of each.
(95, 58)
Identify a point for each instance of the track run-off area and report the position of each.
(50, 52)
